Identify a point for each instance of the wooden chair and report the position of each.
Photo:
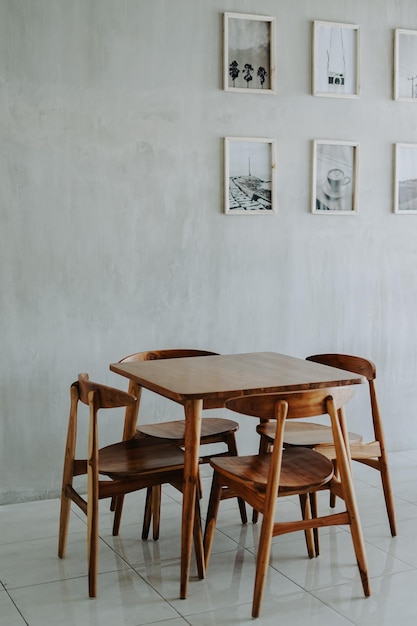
(316, 436)
(213, 430)
(259, 479)
(130, 465)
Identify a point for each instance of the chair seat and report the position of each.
(135, 456)
(298, 433)
(302, 469)
(175, 431)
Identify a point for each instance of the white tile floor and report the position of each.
(138, 581)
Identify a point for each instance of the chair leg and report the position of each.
(264, 448)
(359, 547)
(262, 561)
(156, 511)
(232, 449)
(118, 509)
(314, 513)
(92, 534)
(198, 540)
(309, 535)
(152, 512)
(356, 531)
(147, 514)
(63, 525)
(332, 494)
(68, 474)
(389, 500)
(242, 509)
(212, 511)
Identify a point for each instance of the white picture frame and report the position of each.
(405, 188)
(405, 65)
(249, 176)
(336, 60)
(248, 53)
(334, 177)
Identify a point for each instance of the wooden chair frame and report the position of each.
(371, 453)
(245, 476)
(131, 465)
(213, 430)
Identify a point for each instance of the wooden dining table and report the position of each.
(215, 379)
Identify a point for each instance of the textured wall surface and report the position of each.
(113, 240)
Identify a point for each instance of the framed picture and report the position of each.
(405, 65)
(335, 174)
(249, 176)
(405, 191)
(249, 51)
(336, 65)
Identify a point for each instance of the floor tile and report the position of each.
(33, 520)
(129, 545)
(123, 599)
(393, 601)
(36, 561)
(138, 582)
(336, 564)
(291, 609)
(403, 546)
(9, 614)
(229, 581)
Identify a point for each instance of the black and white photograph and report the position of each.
(405, 74)
(405, 178)
(335, 167)
(336, 60)
(249, 176)
(249, 51)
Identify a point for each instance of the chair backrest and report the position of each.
(300, 404)
(362, 366)
(105, 397)
(136, 390)
(153, 355)
(347, 362)
(292, 405)
(95, 396)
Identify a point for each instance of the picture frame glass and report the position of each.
(248, 53)
(334, 177)
(336, 60)
(406, 179)
(406, 65)
(249, 176)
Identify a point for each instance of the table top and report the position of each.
(220, 377)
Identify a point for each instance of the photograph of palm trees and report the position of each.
(249, 44)
(249, 176)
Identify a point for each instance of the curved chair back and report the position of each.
(347, 362)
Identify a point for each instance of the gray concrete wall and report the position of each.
(113, 240)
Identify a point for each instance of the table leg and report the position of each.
(192, 409)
